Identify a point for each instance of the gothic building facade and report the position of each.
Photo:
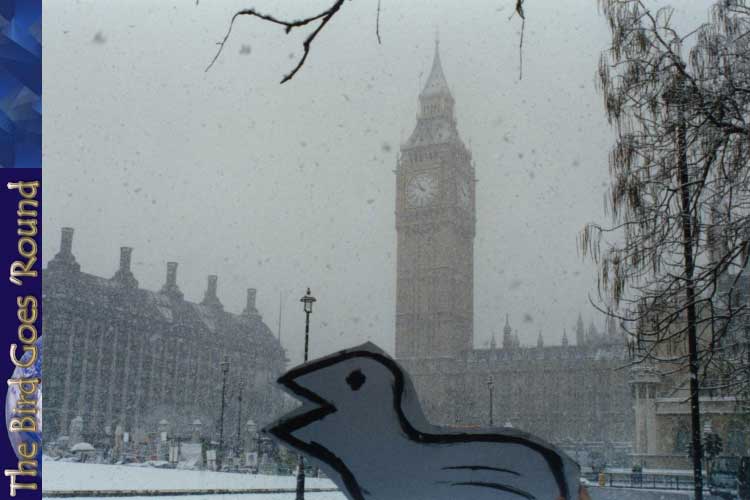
(574, 395)
(661, 389)
(120, 359)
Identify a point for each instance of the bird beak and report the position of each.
(300, 382)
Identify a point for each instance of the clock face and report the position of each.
(421, 190)
(464, 197)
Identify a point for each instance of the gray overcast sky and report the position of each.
(283, 186)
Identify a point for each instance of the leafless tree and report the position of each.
(671, 264)
(722, 55)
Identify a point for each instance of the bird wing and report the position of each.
(495, 489)
(493, 480)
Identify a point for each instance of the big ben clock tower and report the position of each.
(435, 226)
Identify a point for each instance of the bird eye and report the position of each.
(356, 379)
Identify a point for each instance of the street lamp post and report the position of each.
(489, 388)
(238, 444)
(253, 436)
(220, 452)
(307, 303)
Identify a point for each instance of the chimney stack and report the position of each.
(64, 260)
(123, 274)
(210, 298)
(125, 253)
(66, 241)
(171, 274)
(250, 309)
(213, 281)
(170, 286)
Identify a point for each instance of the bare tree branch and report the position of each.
(519, 10)
(377, 23)
(323, 18)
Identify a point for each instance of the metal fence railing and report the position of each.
(646, 481)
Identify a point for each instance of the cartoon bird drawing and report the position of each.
(361, 423)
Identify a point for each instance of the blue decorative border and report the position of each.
(21, 83)
(21, 325)
(20, 165)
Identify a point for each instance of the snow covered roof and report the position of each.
(82, 447)
(81, 293)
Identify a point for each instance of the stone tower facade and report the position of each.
(540, 389)
(435, 224)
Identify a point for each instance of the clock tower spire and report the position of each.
(435, 226)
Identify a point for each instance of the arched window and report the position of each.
(736, 439)
(681, 441)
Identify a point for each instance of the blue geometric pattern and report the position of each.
(21, 83)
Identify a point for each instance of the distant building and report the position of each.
(574, 395)
(661, 390)
(119, 359)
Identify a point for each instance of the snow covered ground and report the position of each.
(72, 476)
(265, 496)
(636, 494)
